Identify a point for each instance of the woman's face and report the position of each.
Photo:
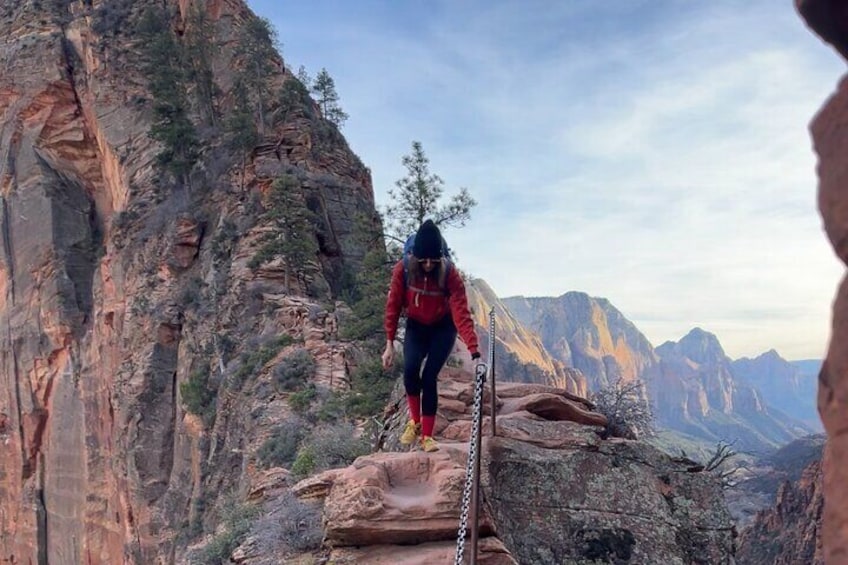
(428, 265)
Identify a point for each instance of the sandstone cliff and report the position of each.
(789, 532)
(588, 334)
(829, 128)
(117, 289)
(519, 353)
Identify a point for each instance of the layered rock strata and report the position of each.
(117, 288)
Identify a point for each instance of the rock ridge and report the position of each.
(553, 492)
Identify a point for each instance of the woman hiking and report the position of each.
(432, 291)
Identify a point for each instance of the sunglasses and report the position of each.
(422, 261)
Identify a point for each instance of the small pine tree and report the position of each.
(304, 77)
(256, 53)
(327, 98)
(293, 237)
(241, 126)
(372, 283)
(163, 66)
(293, 96)
(417, 197)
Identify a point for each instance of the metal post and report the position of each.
(494, 407)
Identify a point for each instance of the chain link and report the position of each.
(480, 372)
(476, 417)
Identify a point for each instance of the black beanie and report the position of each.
(428, 241)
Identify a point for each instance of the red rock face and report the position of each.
(829, 19)
(99, 461)
(789, 532)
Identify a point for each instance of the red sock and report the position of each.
(427, 425)
(414, 403)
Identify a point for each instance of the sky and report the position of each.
(655, 153)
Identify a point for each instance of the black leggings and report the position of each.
(434, 342)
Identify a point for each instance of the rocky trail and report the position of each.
(552, 490)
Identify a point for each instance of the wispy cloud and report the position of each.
(653, 153)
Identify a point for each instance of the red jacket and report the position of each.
(427, 304)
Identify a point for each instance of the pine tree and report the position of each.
(166, 79)
(256, 53)
(293, 95)
(292, 237)
(367, 297)
(241, 127)
(372, 283)
(304, 77)
(417, 197)
(327, 98)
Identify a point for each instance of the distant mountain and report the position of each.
(691, 383)
(786, 463)
(698, 393)
(520, 355)
(588, 334)
(699, 357)
(808, 367)
(788, 386)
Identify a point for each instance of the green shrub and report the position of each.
(237, 521)
(281, 448)
(198, 395)
(300, 401)
(333, 408)
(294, 370)
(254, 361)
(192, 293)
(110, 17)
(328, 447)
(224, 240)
(305, 464)
(371, 387)
(123, 219)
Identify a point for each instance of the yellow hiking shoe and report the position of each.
(428, 444)
(410, 433)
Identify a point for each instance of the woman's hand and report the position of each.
(388, 355)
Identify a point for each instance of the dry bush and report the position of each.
(627, 409)
(288, 526)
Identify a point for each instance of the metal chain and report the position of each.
(480, 372)
(492, 338)
(476, 413)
